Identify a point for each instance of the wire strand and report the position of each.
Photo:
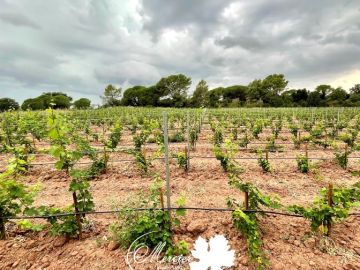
(155, 209)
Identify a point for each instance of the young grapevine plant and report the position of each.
(247, 223)
(322, 214)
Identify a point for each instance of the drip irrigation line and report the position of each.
(269, 212)
(125, 147)
(174, 143)
(280, 158)
(89, 162)
(153, 150)
(191, 157)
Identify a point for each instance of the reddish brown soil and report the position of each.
(287, 241)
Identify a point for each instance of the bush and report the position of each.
(56, 100)
(8, 104)
(342, 159)
(153, 226)
(303, 163)
(82, 103)
(15, 198)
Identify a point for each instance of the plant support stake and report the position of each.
(2, 229)
(246, 193)
(187, 149)
(78, 218)
(167, 168)
(161, 193)
(330, 202)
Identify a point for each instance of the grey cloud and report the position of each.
(132, 72)
(246, 42)
(203, 14)
(87, 44)
(273, 23)
(18, 20)
(329, 61)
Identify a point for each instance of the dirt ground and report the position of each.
(287, 241)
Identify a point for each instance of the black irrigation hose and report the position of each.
(123, 149)
(279, 158)
(191, 157)
(89, 162)
(155, 209)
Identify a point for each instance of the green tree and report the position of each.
(337, 97)
(111, 96)
(355, 89)
(324, 90)
(214, 97)
(287, 98)
(354, 97)
(235, 93)
(267, 91)
(354, 100)
(174, 90)
(136, 96)
(33, 104)
(82, 103)
(314, 99)
(57, 100)
(60, 102)
(299, 96)
(198, 98)
(275, 84)
(8, 104)
(141, 96)
(255, 91)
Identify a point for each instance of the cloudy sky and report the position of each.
(81, 46)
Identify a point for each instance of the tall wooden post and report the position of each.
(2, 228)
(161, 192)
(78, 218)
(330, 203)
(187, 149)
(246, 203)
(167, 167)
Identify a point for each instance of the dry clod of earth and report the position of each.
(197, 226)
(60, 241)
(113, 245)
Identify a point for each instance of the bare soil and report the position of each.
(287, 241)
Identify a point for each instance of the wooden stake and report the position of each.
(167, 167)
(246, 200)
(2, 229)
(330, 203)
(161, 192)
(105, 159)
(78, 218)
(187, 158)
(144, 153)
(187, 149)
(346, 155)
(306, 150)
(267, 155)
(33, 139)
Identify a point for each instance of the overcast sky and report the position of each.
(80, 46)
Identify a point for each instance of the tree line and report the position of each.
(173, 91)
(56, 100)
(271, 91)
